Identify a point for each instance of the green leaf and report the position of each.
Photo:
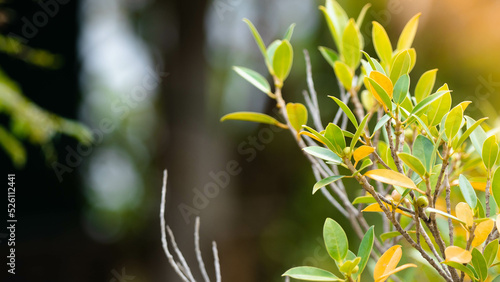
(495, 187)
(255, 117)
(359, 131)
(289, 32)
(362, 14)
(400, 66)
(351, 45)
(364, 200)
(467, 191)
(366, 163)
(460, 267)
(401, 89)
(344, 74)
(321, 138)
(423, 149)
(13, 147)
(336, 19)
(381, 123)
(389, 235)
(444, 214)
(336, 241)
(490, 152)
(490, 252)
(469, 131)
(439, 108)
(326, 181)
(254, 78)
(425, 85)
(346, 110)
(479, 264)
(365, 248)
(323, 154)
(283, 59)
(334, 134)
(384, 96)
(297, 115)
(309, 273)
(381, 43)
(477, 136)
(408, 34)
(271, 49)
(373, 63)
(330, 56)
(260, 42)
(413, 163)
(453, 122)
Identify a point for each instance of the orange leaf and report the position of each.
(482, 231)
(362, 152)
(383, 81)
(376, 208)
(387, 262)
(464, 213)
(457, 254)
(385, 276)
(311, 135)
(392, 177)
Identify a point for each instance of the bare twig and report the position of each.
(216, 262)
(197, 249)
(183, 262)
(163, 228)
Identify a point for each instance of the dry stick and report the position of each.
(366, 185)
(216, 262)
(163, 228)
(197, 249)
(487, 193)
(310, 83)
(444, 167)
(183, 262)
(448, 207)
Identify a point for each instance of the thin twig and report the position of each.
(163, 228)
(216, 262)
(197, 249)
(183, 262)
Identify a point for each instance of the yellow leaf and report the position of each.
(482, 231)
(384, 82)
(385, 276)
(392, 177)
(480, 186)
(387, 262)
(498, 222)
(457, 254)
(464, 213)
(362, 152)
(408, 34)
(376, 208)
(311, 135)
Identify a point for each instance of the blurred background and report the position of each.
(151, 80)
